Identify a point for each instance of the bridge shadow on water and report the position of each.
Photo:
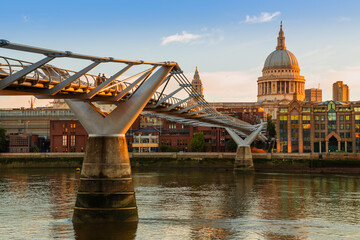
(112, 231)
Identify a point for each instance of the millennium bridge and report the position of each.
(106, 191)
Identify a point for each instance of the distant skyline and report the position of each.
(228, 40)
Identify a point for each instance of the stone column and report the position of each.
(320, 147)
(106, 191)
(345, 146)
(339, 145)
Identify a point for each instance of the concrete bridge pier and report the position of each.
(243, 159)
(106, 191)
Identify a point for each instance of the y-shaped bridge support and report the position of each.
(243, 158)
(106, 191)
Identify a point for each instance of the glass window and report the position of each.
(283, 110)
(341, 117)
(341, 126)
(357, 109)
(72, 140)
(294, 117)
(357, 117)
(306, 109)
(347, 117)
(316, 118)
(348, 135)
(332, 116)
(317, 135)
(347, 126)
(322, 118)
(64, 140)
(306, 117)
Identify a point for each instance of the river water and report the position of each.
(188, 204)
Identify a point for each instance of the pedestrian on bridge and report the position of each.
(98, 80)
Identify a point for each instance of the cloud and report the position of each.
(344, 19)
(184, 38)
(264, 17)
(26, 18)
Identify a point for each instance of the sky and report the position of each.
(227, 40)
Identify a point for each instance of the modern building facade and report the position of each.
(341, 91)
(318, 127)
(313, 95)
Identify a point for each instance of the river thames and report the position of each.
(188, 204)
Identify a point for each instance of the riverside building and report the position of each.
(318, 127)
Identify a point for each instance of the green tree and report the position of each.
(2, 140)
(166, 148)
(271, 128)
(231, 145)
(198, 142)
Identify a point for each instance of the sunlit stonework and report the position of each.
(281, 77)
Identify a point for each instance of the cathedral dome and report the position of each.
(281, 58)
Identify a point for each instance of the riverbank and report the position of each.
(264, 162)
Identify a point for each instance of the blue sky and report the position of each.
(228, 40)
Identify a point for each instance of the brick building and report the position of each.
(318, 127)
(67, 136)
(22, 142)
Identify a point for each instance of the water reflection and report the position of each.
(108, 231)
(188, 204)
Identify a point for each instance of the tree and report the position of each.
(166, 148)
(271, 129)
(2, 140)
(198, 142)
(231, 145)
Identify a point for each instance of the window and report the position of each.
(294, 117)
(342, 135)
(306, 109)
(64, 140)
(357, 117)
(341, 117)
(72, 140)
(331, 105)
(332, 116)
(317, 118)
(284, 118)
(72, 127)
(322, 126)
(283, 110)
(347, 126)
(347, 135)
(306, 117)
(341, 126)
(357, 109)
(322, 135)
(347, 117)
(317, 135)
(306, 126)
(64, 127)
(322, 118)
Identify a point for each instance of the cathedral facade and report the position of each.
(281, 77)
